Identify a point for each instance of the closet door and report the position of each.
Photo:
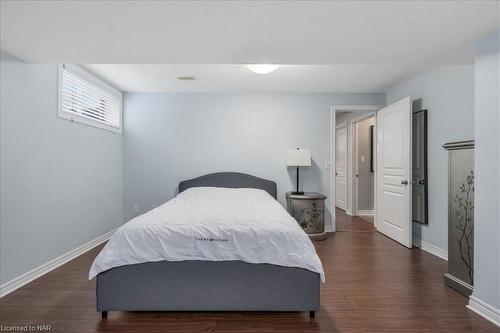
(341, 167)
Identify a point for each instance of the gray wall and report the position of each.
(487, 173)
(169, 137)
(366, 179)
(61, 182)
(448, 94)
(347, 117)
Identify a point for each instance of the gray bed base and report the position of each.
(209, 285)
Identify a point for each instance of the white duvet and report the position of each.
(213, 224)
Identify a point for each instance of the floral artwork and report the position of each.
(465, 214)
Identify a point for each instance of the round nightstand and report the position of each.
(308, 209)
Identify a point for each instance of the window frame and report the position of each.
(74, 117)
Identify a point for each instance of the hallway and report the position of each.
(345, 222)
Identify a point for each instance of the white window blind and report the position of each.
(86, 99)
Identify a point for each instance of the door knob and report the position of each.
(404, 182)
(421, 182)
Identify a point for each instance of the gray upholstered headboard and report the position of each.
(230, 180)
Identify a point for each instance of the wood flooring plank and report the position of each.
(373, 284)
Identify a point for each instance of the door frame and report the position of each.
(333, 111)
(354, 159)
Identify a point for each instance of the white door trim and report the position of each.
(333, 110)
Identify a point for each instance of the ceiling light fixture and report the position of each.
(262, 68)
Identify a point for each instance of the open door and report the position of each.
(341, 167)
(393, 171)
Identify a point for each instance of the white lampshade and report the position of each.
(298, 157)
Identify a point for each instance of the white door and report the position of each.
(394, 171)
(341, 167)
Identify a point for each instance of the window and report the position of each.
(85, 99)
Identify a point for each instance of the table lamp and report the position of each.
(298, 157)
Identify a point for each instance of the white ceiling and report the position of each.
(240, 32)
(383, 40)
(237, 78)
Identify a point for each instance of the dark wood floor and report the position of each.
(345, 222)
(372, 285)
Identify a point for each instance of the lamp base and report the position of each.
(295, 192)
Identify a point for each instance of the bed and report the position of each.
(140, 276)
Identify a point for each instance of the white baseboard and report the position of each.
(432, 249)
(27, 277)
(365, 212)
(348, 212)
(485, 310)
(328, 228)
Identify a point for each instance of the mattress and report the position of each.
(212, 224)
